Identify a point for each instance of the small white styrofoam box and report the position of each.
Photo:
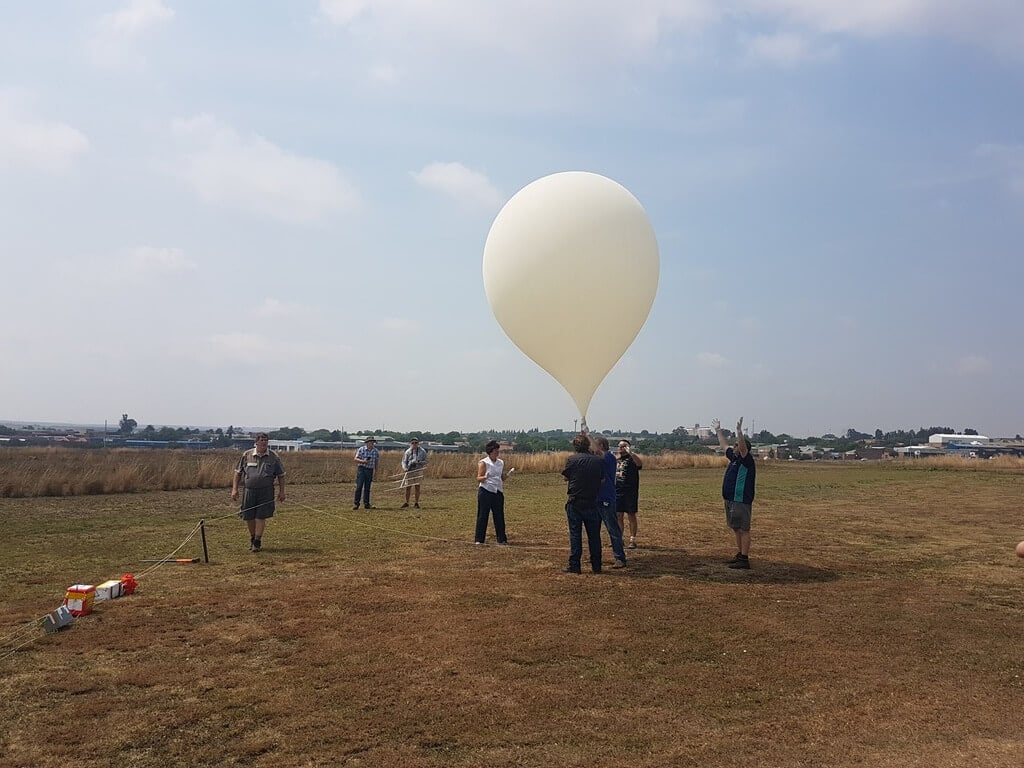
(108, 590)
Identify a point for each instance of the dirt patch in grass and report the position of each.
(881, 625)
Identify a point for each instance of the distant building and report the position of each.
(941, 440)
(918, 451)
(872, 452)
(288, 446)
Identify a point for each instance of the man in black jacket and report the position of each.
(583, 472)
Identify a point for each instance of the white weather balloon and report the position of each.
(570, 270)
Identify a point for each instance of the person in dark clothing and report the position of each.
(627, 488)
(738, 491)
(606, 499)
(583, 473)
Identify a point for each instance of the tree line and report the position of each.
(535, 440)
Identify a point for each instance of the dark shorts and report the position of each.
(627, 501)
(737, 515)
(257, 503)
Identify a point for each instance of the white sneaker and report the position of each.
(632, 542)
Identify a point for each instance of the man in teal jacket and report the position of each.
(738, 490)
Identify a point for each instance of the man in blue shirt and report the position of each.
(367, 458)
(606, 500)
(738, 490)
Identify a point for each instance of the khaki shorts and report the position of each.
(737, 515)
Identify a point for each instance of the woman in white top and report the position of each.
(490, 496)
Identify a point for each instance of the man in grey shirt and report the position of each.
(258, 468)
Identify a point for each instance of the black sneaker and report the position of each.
(735, 559)
(573, 569)
(355, 506)
(742, 563)
(369, 506)
(416, 505)
(257, 545)
(406, 505)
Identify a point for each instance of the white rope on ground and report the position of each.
(34, 628)
(26, 628)
(169, 556)
(427, 537)
(37, 623)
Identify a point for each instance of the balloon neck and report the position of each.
(583, 425)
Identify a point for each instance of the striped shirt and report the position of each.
(372, 454)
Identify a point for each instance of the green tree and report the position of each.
(127, 425)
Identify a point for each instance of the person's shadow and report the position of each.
(657, 562)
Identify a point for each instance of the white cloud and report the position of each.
(996, 25)
(135, 18)
(784, 49)
(342, 12)
(711, 360)
(258, 349)
(280, 310)
(143, 265)
(868, 17)
(249, 173)
(1006, 162)
(37, 143)
(117, 36)
(973, 365)
(607, 32)
(530, 31)
(399, 325)
(385, 74)
(469, 188)
(148, 261)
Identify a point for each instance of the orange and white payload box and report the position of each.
(79, 599)
(108, 590)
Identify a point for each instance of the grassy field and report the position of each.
(882, 624)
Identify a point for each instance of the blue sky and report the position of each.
(274, 214)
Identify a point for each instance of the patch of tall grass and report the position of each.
(33, 472)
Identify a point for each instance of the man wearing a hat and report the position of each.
(367, 458)
(414, 462)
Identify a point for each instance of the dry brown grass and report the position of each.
(35, 472)
(881, 626)
(31, 472)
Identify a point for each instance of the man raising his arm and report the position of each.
(738, 491)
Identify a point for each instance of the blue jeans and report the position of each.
(364, 477)
(490, 503)
(606, 509)
(580, 518)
